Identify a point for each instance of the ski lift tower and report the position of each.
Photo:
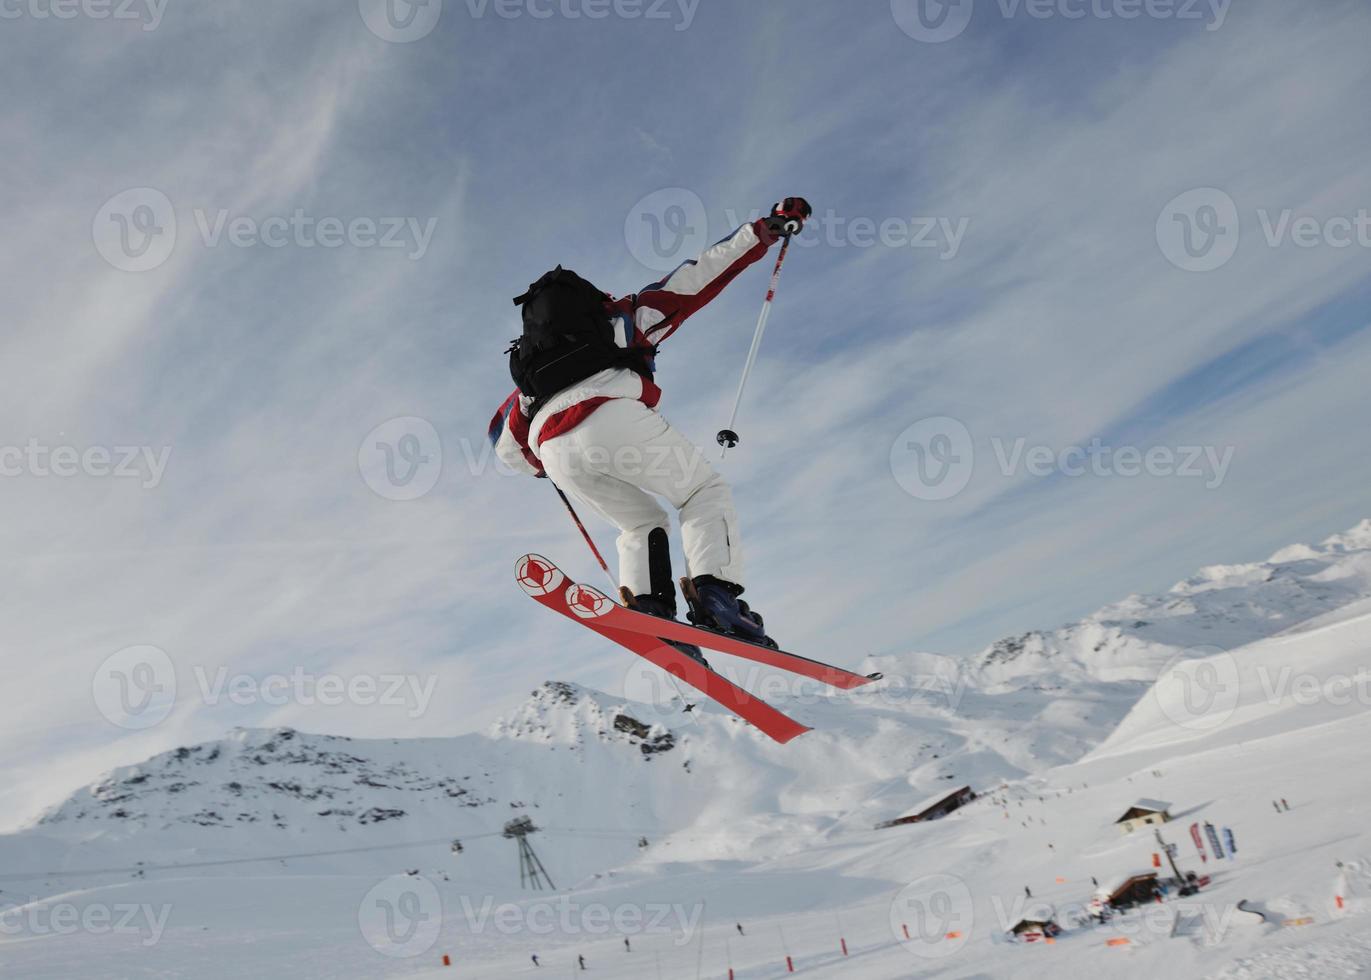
(532, 874)
(1183, 886)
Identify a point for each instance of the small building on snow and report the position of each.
(1035, 930)
(1142, 814)
(1126, 892)
(934, 809)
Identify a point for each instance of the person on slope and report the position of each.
(584, 415)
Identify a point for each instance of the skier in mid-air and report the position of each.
(584, 415)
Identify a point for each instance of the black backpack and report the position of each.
(567, 337)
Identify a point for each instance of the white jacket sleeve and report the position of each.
(663, 306)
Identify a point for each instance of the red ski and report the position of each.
(637, 622)
(643, 634)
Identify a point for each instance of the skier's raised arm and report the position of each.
(663, 306)
(580, 371)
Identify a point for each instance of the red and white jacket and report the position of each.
(645, 319)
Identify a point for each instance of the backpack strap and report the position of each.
(636, 359)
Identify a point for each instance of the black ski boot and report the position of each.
(664, 608)
(714, 605)
(661, 602)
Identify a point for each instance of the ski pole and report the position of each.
(614, 589)
(728, 438)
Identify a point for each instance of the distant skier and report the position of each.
(627, 948)
(535, 960)
(1026, 892)
(739, 927)
(1285, 804)
(582, 961)
(584, 414)
(1276, 805)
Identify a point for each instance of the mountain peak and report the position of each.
(1357, 538)
(276, 777)
(1219, 607)
(559, 712)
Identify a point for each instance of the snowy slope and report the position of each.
(1062, 731)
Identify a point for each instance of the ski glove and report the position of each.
(788, 216)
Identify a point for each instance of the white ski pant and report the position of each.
(621, 455)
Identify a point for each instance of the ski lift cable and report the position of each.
(187, 865)
(603, 833)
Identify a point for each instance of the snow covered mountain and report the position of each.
(1219, 607)
(282, 838)
(280, 791)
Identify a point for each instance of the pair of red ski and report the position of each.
(645, 636)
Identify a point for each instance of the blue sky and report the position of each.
(512, 143)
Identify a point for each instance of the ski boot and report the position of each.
(661, 601)
(664, 608)
(714, 605)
